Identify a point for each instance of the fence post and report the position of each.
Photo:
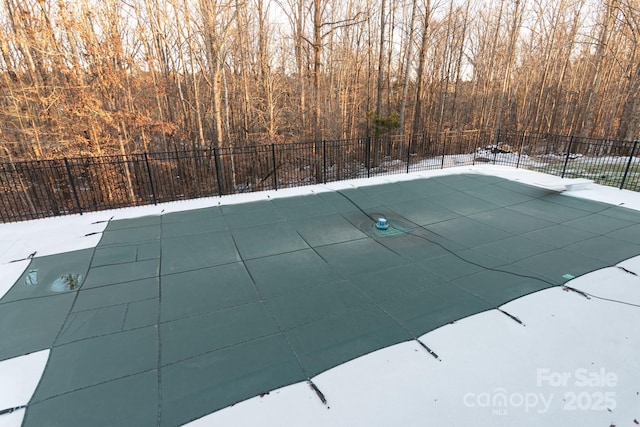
(217, 165)
(275, 168)
(409, 153)
(524, 133)
(324, 161)
(444, 149)
(368, 157)
(73, 185)
(626, 171)
(566, 159)
(178, 172)
(475, 147)
(494, 149)
(153, 189)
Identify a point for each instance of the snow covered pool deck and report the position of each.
(155, 352)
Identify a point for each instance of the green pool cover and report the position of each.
(173, 317)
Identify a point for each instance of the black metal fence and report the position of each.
(44, 188)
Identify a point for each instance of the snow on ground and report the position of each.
(482, 156)
(572, 363)
(19, 378)
(621, 282)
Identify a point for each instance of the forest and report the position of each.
(114, 77)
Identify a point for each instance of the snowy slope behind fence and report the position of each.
(44, 188)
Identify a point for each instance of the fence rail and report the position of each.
(44, 188)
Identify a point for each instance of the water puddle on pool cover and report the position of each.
(65, 283)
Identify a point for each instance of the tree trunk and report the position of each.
(405, 83)
(417, 112)
(589, 104)
(380, 61)
(513, 36)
